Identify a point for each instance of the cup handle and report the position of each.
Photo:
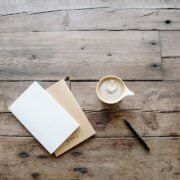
(129, 92)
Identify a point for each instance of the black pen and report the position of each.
(137, 135)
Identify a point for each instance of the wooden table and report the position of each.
(138, 41)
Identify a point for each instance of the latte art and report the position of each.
(111, 86)
(110, 89)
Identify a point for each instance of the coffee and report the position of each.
(111, 89)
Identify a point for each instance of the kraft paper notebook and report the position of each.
(46, 119)
(62, 94)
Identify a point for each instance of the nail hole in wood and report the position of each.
(109, 54)
(167, 21)
(153, 43)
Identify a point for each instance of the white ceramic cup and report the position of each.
(111, 89)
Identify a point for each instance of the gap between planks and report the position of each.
(104, 137)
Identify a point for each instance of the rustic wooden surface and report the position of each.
(86, 39)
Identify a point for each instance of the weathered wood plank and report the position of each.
(149, 96)
(24, 158)
(37, 6)
(170, 42)
(144, 4)
(111, 124)
(9, 91)
(53, 55)
(92, 19)
(171, 68)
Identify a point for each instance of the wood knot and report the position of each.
(82, 47)
(157, 66)
(23, 154)
(150, 120)
(177, 173)
(33, 56)
(81, 170)
(35, 175)
(102, 119)
(42, 156)
(76, 153)
(109, 54)
(167, 21)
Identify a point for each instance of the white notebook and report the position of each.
(47, 121)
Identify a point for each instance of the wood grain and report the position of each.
(149, 96)
(144, 4)
(9, 91)
(170, 42)
(111, 124)
(137, 40)
(8, 7)
(38, 6)
(93, 19)
(99, 158)
(171, 68)
(54, 55)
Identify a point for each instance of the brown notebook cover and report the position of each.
(62, 94)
